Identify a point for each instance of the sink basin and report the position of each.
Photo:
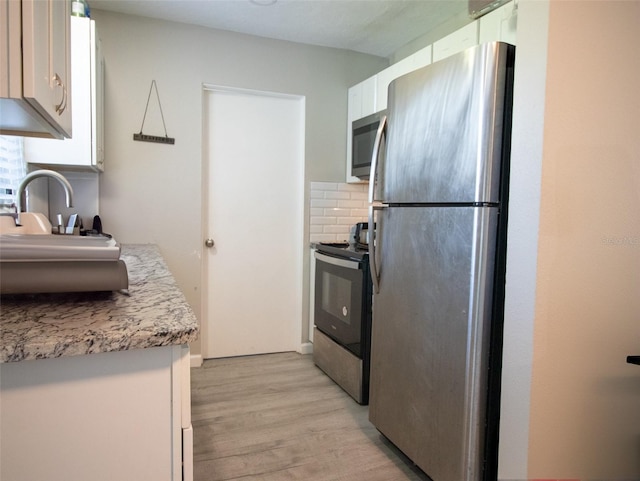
(44, 263)
(32, 223)
(52, 248)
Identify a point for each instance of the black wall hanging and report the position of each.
(154, 138)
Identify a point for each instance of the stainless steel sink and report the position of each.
(44, 263)
(49, 247)
(33, 223)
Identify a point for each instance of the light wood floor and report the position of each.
(277, 417)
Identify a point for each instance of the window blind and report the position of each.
(12, 168)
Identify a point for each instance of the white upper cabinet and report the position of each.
(501, 24)
(360, 103)
(417, 60)
(86, 148)
(362, 99)
(458, 41)
(35, 68)
(370, 96)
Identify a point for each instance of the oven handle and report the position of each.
(337, 262)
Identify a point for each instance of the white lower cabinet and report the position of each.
(122, 416)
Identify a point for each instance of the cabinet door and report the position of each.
(97, 100)
(384, 79)
(417, 60)
(458, 41)
(369, 96)
(354, 111)
(46, 66)
(501, 24)
(10, 55)
(354, 108)
(100, 417)
(85, 149)
(361, 102)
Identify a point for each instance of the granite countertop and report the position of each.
(155, 313)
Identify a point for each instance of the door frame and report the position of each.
(205, 228)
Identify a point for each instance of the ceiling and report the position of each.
(376, 27)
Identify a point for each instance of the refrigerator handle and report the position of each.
(373, 262)
(374, 161)
(375, 278)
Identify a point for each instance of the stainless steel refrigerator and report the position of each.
(438, 260)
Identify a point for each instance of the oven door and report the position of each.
(338, 300)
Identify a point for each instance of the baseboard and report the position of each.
(306, 348)
(196, 360)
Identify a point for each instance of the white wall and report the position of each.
(85, 201)
(522, 242)
(569, 401)
(585, 399)
(151, 193)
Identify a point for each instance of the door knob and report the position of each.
(209, 243)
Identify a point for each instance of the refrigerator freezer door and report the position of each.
(430, 335)
(444, 138)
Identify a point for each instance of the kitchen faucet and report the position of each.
(42, 173)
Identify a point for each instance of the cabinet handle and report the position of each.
(63, 103)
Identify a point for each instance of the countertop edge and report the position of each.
(154, 314)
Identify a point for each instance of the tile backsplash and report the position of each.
(334, 209)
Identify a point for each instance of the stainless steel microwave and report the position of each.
(363, 135)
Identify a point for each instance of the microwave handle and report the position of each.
(373, 176)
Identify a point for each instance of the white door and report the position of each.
(254, 151)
